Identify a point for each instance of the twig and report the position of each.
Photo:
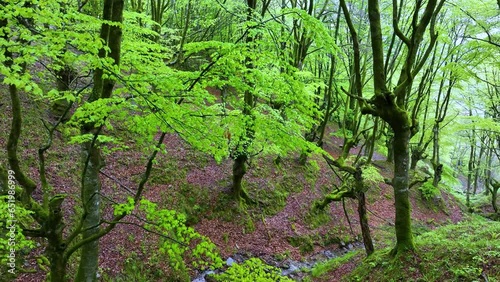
(117, 182)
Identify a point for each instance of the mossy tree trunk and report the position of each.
(442, 103)
(470, 165)
(356, 190)
(91, 185)
(436, 163)
(363, 221)
(3, 180)
(241, 154)
(389, 145)
(417, 154)
(400, 183)
(54, 233)
(239, 170)
(495, 186)
(363, 216)
(391, 106)
(488, 170)
(479, 159)
(51, 222)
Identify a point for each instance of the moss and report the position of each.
(311, 171)
(304, 243)
(321, 269)
(317, 217)
(192, 200)
(461, 252)
(249, 226)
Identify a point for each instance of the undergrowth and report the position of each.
(468, 251)
(252, 270)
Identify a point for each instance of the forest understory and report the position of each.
(280, 229)
(257, 140)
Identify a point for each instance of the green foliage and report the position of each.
(275, 199)
(304, 243)
(282, 256)
(13, 244)
(317, 217)
(322, 268)
(449, 179)
(249, 225)
(126, 208)
(371, 176)
(21, 218)
(460, 252)
(428, 190)
(194, 201)
(177, 244)
(315, 29)
(252, 270)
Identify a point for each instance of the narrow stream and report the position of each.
(291, 268)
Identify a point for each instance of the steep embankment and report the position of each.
(468, 251)
(280, 229)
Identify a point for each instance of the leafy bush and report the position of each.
(428, 190)
(12, 240)
(179, 242)
(252, 270)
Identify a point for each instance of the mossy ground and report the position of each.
(467, 251)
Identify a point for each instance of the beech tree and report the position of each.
(92, 162)
(390, 103)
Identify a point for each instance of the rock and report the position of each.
(328, 254)
(202, 276)
(293, 268)
(239, 258)
(210, 278)
(230, 261)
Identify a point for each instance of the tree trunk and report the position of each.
(494, 194)
(56, 246)
(390, 147)
(417, 154)
(478, 166)
(3, 180)
(239, 165)
(495, 186)
(89, 262)
(239, 170)
(57, 265)
(363, 221)
(470, 171)
(404, 235)
(489, 160)
(91, 185)
(435, 155)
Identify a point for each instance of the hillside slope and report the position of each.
(280, 229)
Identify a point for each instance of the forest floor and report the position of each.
(279, 230)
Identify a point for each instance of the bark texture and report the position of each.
(91, 185)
